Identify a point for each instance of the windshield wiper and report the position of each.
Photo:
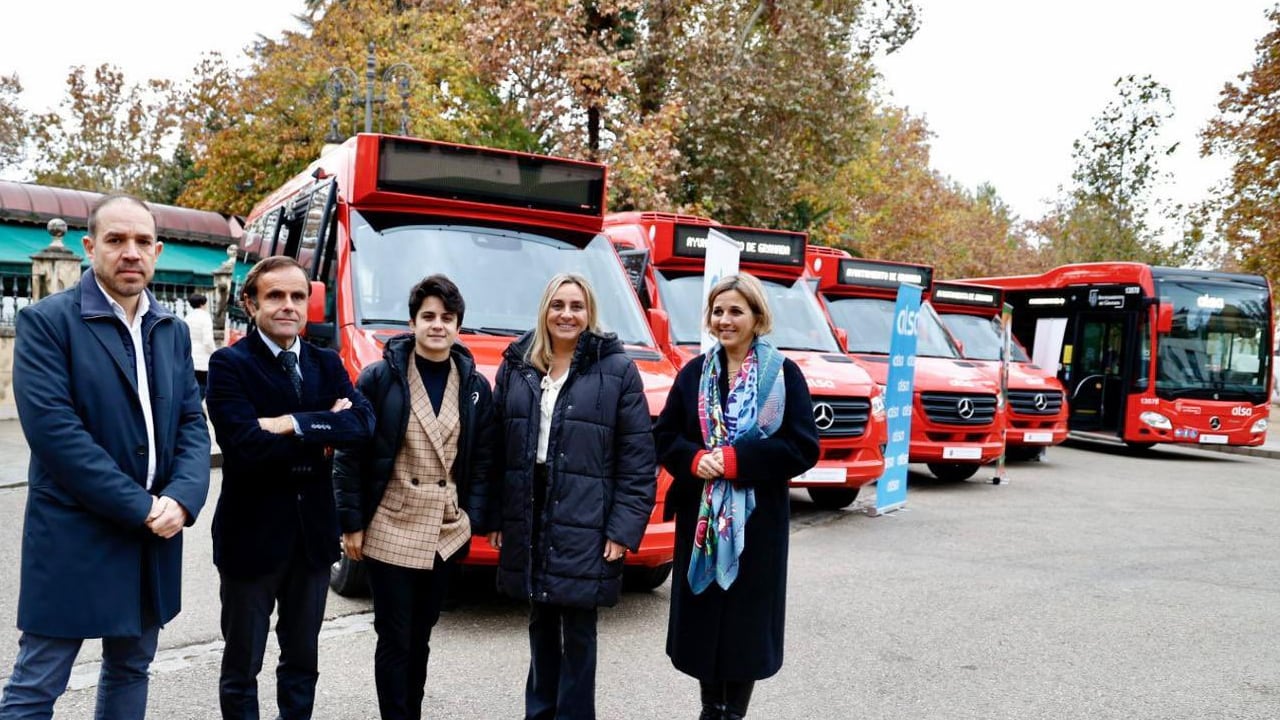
(501, 332)
(797, 348)
(382, 321)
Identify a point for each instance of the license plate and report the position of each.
(961, 453)
(1213, 439)
(1037, 437)
(824, 475)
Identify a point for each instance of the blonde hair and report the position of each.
(752, 291)
(540, 355)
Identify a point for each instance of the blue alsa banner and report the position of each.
(891, 488)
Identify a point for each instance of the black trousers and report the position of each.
(406, 606)
(299, 591)
(562, 664)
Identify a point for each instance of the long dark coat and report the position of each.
(277, 490)
(85, 548)
(361, 473)
(602, 470)
(734, 634)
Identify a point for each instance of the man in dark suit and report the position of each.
(277, 404)
(119, 465)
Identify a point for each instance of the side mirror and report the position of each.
(842, 339)
(660, 325)
(1164, 317)
(316, 329)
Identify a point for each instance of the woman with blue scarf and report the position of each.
(737, 426)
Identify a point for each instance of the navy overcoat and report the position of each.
(85, 547)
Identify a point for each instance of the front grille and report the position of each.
(949, 408)
(1035, 402)
(848, 416)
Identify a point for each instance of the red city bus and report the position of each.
(375, 215)
(1151, 354)
(667, 253)
(1037, 408)
(957, 421)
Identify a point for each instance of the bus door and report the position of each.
(1095, 373)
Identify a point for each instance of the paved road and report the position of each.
(1095, 585)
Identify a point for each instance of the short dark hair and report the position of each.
(439, 286)
(109, 198)
(196, 300)
(250, 288)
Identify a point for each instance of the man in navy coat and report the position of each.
(119, 465)
(277, 404)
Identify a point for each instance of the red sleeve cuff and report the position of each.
(697, 458)
(730, 462)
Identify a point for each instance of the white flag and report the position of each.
(722, 261)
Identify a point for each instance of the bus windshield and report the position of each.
(981, 337)
(869, 322)
(1218, 346)
(797, 320)
(501, 273)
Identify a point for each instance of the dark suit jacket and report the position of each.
(85, 548)
(276, 489)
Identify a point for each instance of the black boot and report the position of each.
(737, 696)
(712, 701)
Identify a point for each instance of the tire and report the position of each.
(833, 498)
(1138, 448)
(349, 578)
(953, 472)
(645, 579)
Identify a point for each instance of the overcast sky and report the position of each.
(1006, 85)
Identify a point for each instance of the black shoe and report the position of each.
(737, 697)
(712, 712)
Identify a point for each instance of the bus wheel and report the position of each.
(1138, 448)
(833, 498)
(349, 578)
(1023, 453)
(953, 472)
(645, 579)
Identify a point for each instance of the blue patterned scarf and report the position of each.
(749, 413)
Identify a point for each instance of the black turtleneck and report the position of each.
(435, 375)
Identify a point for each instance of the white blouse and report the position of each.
(550, 393)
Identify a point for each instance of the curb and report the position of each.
(1261, 451)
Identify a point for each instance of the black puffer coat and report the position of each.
(361, 474)
(601, 474)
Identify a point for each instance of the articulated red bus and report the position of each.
(378, 213)
(957, 416)
(1152, 354)
(847, 404)
(1037, 409)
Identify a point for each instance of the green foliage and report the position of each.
(13, 122)
(1109, 211)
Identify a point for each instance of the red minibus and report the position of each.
(1151, 354)
(667, 256)
(1037, 408)
(373, 216)
(957, 419)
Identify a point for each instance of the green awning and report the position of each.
(179, 263)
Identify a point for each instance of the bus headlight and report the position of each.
(1260, 426)
(1156, 420)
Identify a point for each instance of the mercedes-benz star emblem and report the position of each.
(964, 408)
(1215, 423)
(824, 416)
(1041, 401)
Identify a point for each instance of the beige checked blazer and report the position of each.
(419, 516)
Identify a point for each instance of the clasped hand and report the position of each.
(283, 425)
(167, 517)
(711, 465)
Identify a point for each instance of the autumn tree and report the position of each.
(272, 119)
(13, 121)
(888, 203)
(1113, 210)
(108, 134)
(1247, 130)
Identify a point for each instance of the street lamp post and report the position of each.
(343, 80)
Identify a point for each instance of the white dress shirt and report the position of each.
(139, 369)
(550, 393)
